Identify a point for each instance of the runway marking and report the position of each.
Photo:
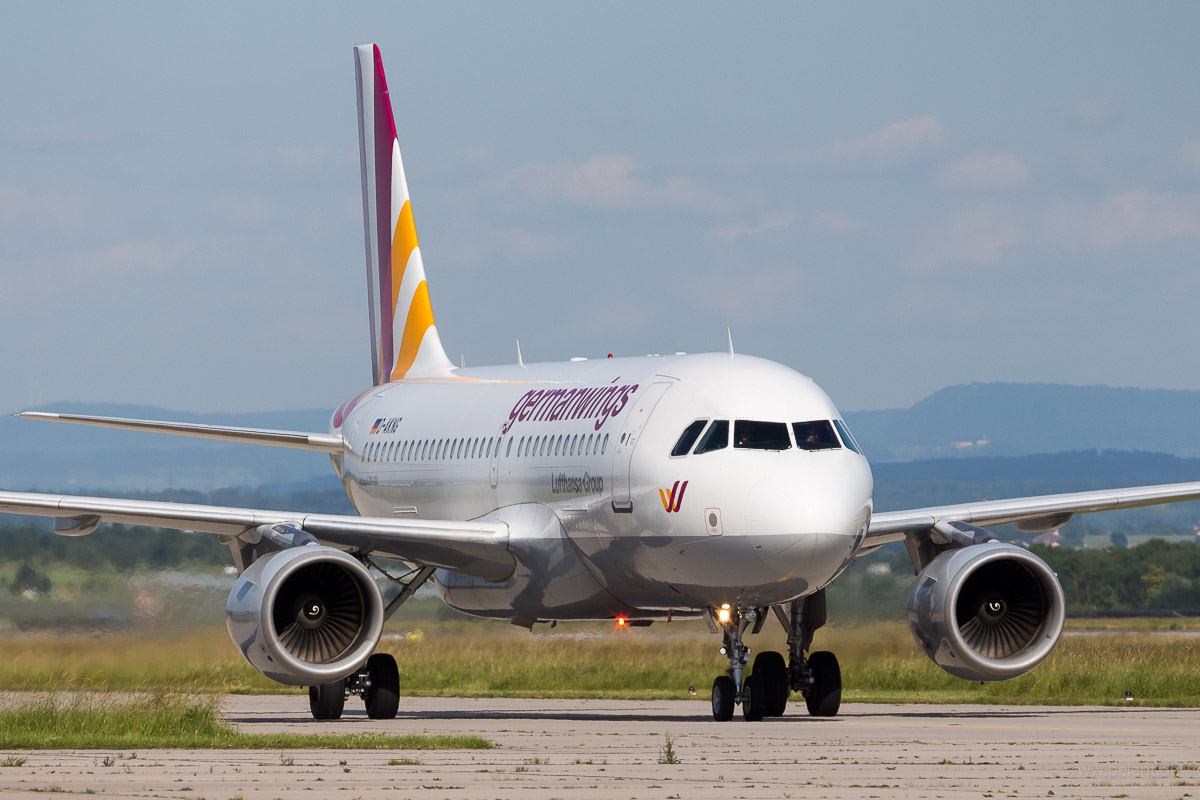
(980, 727)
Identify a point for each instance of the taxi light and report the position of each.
(723, 613)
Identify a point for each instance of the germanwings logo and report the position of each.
(671, 502)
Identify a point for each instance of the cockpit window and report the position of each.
(815, 435)
(688, 438)
(715, 438)
(754, 435)
(847, 437)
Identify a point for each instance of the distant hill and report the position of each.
(1010, 419)
(956, 423)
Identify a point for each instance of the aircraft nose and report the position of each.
(808, 523)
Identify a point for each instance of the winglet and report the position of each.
(404, 337)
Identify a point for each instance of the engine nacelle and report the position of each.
(988, 612)
(306, 615)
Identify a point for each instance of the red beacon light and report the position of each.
(620, 622)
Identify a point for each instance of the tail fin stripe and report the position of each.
(403, 244)
(419, 320)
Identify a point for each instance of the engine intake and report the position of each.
(306, 615)
(987, 612)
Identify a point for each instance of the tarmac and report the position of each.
(619, 749)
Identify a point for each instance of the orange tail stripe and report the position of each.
(419, 320)
(404, 241)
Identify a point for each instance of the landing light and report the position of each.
(723, 613)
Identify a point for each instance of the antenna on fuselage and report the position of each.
(520, 361)
(729, 333)
(462, 360)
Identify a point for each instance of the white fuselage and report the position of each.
(577, 458)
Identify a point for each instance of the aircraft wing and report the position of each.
(297, 440)
(473, 548)
(1038, 513)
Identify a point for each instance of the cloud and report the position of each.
(1092, 115)
(984, 171)
(294, 156)
(55, 211)
(837, 222)
(250, 210)
(759, 297)
(765, 224)
(974, 235)
(608, 182)
(1191, 153)
(1139, 215)
(891, 145)
(507, 245)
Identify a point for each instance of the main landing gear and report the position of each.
(378, 683)
(765, 691)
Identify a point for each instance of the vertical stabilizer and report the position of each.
(404, 338)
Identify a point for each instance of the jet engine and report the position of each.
(987, 612)
(305, 615)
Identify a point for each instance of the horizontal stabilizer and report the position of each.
(296, 440)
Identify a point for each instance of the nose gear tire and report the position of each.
(723, 694)
(754, 698)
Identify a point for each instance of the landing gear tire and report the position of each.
(327, 700)
(754, 698)
(383, 696)
(824, 695)
(723, 695)
(773, 669)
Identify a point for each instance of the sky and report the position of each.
(890, 198)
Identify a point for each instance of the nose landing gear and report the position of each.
(735, 688)
(764, 693)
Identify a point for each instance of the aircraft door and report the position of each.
(494, 461)
(627, 440)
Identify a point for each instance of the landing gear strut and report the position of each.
(818, 677)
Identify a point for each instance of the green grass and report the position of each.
(880, 663)
(92, 722)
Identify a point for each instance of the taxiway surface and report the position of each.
(616, 749)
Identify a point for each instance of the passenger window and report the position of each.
(815, 435)
(847, 437)
(589, 444)
(557, 444)
(574, 440)
(604, 447)
(715, 438)
(688, 438)
(754, 435)
(508, 450)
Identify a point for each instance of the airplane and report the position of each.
(717, 486)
